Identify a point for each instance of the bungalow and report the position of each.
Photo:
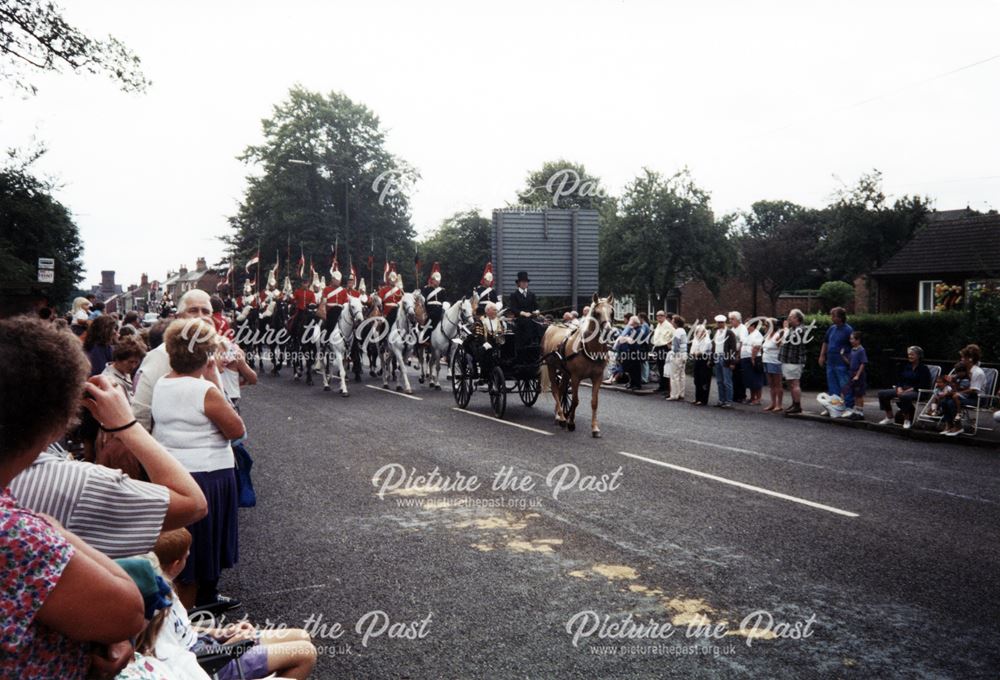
(938, 267)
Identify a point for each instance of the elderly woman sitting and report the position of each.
(913, 376)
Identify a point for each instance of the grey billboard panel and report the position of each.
(558, 248)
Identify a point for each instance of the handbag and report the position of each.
(244, 485)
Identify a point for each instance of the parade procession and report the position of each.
(523, 340)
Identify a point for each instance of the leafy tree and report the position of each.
(863, 230)
(34, 225)
(34, 36)
(562, 184)
(323, 178)
(662, 233)
(462, 245)
(778, 246)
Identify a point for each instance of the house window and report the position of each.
(925, 302)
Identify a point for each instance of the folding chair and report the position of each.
(923, 414)
(984, 402)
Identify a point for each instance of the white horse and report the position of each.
(401, 334)
(456, 317)
(339, 342)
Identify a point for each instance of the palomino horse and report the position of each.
(573, 354)
(339, 341)
(456, 317)
(401, 334)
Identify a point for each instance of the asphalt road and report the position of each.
(881, 553)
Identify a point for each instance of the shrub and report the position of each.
(983, 319)
(836, 294)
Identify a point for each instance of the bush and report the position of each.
(836, 294)
(983, 320)
(886, 336)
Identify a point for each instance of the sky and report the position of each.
(760, 100)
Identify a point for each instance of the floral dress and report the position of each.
(32, 558)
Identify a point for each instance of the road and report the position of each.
(862, 555)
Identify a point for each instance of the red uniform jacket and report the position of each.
(334, 296)
(303, 297)
(391, 297)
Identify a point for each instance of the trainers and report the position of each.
(952, 433)
(907, 424)
(886, 421)
(793, 409)
(854, 415)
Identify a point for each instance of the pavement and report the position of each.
(693, 541)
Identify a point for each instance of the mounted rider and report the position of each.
(352, 281)
(433, 298)
(271, 294)
(485, 291)
(334, 296)
(391, 293)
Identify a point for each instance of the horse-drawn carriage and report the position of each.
(499, 366)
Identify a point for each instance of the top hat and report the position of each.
(523, 276)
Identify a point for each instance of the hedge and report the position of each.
(886, 336)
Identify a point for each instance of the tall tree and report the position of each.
(778, 243)
(462, 245)
(33, 224)
(562, 184)
(323, 176)
(35, 37)
(863, 230)
(664, 232)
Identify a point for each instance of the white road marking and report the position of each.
(790, 461)
(742, 485)
(505, 422)
(398, 394)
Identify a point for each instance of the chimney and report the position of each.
(144, 281)
(183, 270)
(201, 265)
(108, 280)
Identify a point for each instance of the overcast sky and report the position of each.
(762, 100)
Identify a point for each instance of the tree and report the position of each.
(562, 184)
(662, 233)
(778, 246)
(863, 231)
(462, 245)
(34, 225)
(34, 36)
(324, 178)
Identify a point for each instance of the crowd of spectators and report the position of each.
(741, 359)
(118, 506)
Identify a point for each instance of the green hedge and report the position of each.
(886, 336)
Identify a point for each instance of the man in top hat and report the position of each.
(335, 297)
(523, 306)
(391, 294)
(433, 298)
(485, 291)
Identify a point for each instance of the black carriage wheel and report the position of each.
(462, 385)
(528, 389)
(498, 392)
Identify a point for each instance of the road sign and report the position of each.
(46, 263)
(46, 275)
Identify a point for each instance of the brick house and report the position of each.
(957, 251)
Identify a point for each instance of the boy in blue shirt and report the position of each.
(858, 369)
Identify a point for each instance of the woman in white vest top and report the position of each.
(195, 423)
